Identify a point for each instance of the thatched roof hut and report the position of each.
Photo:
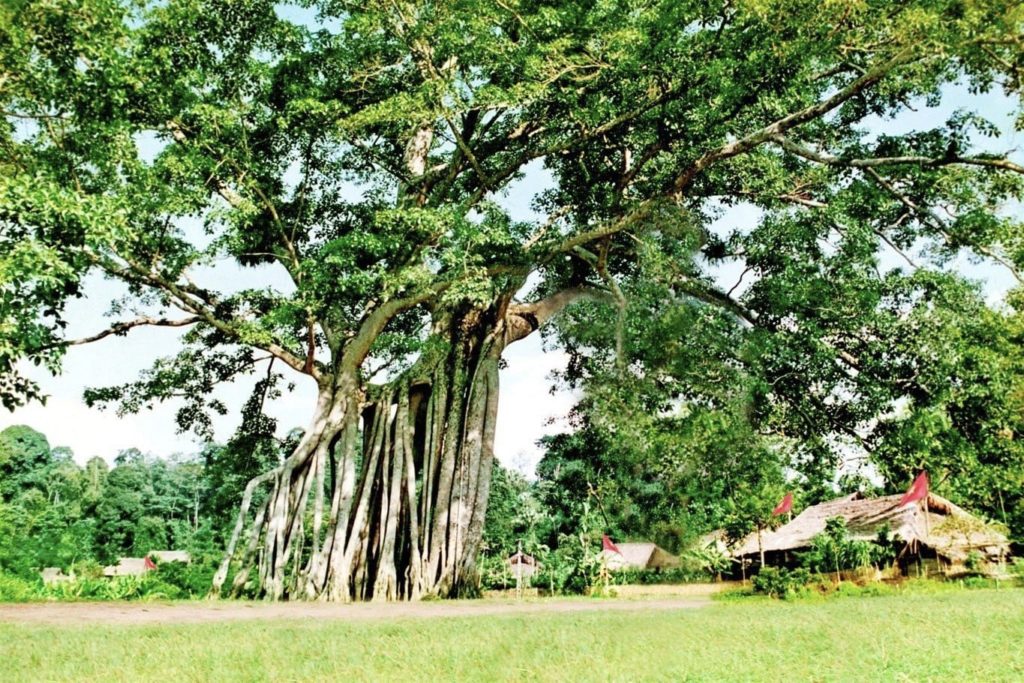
(522, 565)
(950, 532)
(137, 566)
(639, 556)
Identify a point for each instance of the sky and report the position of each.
(528, 407)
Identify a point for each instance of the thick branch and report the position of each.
(780, 126)
(524, 319)
(374, 323)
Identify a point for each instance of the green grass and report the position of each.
(965, 635)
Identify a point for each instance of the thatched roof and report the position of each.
(639, 556)
(519, 557)
(951, 531)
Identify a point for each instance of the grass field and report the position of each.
(968, 635)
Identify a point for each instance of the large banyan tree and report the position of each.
(420, 185)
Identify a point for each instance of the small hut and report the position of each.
(137, 566)
(639, 556)
(129, 566)
(54, 575)
(944, 541)
(522, 566)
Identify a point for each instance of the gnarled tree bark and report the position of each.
(385, 495)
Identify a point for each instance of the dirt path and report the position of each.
(204, 612)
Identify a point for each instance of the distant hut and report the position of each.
(137, 566)
(54, 575)
(521, 565)
(944, 542)
(639, 556)
(130, 566)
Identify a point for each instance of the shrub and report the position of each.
(179, 579)
(573, 569)
(1017, 570)
(778, 582)
(495, 573)
(974, 562)
(834, 551)
(16, 589)
(649, 577)
(87, 569)
(712, 561)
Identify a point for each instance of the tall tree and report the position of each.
(24, 460)
(359, 151)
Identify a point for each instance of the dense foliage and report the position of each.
(55, 513)
(683, 442)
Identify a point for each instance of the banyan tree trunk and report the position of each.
(384, 497)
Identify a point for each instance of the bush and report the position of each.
(834, 551)
(183, 580)
(649, 577)
(573, 569)
(711, 560)
(495, 573)
(1017, 570)
(87, 569)
(975, 563)
(16, 589)
(778, 582)
(168, 584)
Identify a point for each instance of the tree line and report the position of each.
(57, 513)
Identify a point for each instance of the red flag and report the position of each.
(606, 544)
(917, 491)
(785, 505)
(149, 564)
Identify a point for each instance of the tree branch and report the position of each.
(122, 328)
(937, 224)
(192, 299)
(745, 144)
(522, 320)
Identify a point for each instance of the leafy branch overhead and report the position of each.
(289, 133)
